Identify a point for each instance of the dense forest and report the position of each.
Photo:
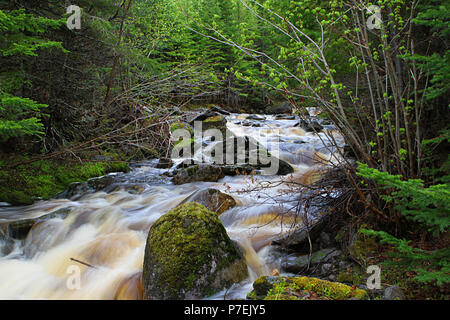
(79, 101)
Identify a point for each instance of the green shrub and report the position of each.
(429, 206)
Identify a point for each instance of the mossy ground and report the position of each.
(21, 184)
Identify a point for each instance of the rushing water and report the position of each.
(108, 230)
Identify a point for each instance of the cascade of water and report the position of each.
(103, 237)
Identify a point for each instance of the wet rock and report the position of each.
(326, 268)
(101, 183)
(394, 293)
(285, 117)
(310, 126)
(248, 153)
(203, 116)
(164, 163)
(299, 264)
(19, 229)
(256, 117)
(280, 108)
(198, 172)
(6, 244)
(75, 191)
(213, 200)
(325, 240)
(303, 288)
(220, 111)
(298, 240)
(251, 124)
(189, 256)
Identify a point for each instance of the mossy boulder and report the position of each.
(213, 200)
(190, 256)
(303, 288)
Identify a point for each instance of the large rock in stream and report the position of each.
(246, 155)
(189, 256)
(213, 200)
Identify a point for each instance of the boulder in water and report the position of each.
(198, 172)
(164, 163)
(190, 256)
(310, 126)
(256, 117)
(213, 200)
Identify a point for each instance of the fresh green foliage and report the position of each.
(429, 206)
(21, 38)
(430, 265)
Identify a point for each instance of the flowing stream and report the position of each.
(108, 229)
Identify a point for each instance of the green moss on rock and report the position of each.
(22, 184)
(303, 288)
(189, 256)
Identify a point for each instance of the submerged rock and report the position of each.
(19, 229)
(303, 288)
(213, 200)
(190, 256)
